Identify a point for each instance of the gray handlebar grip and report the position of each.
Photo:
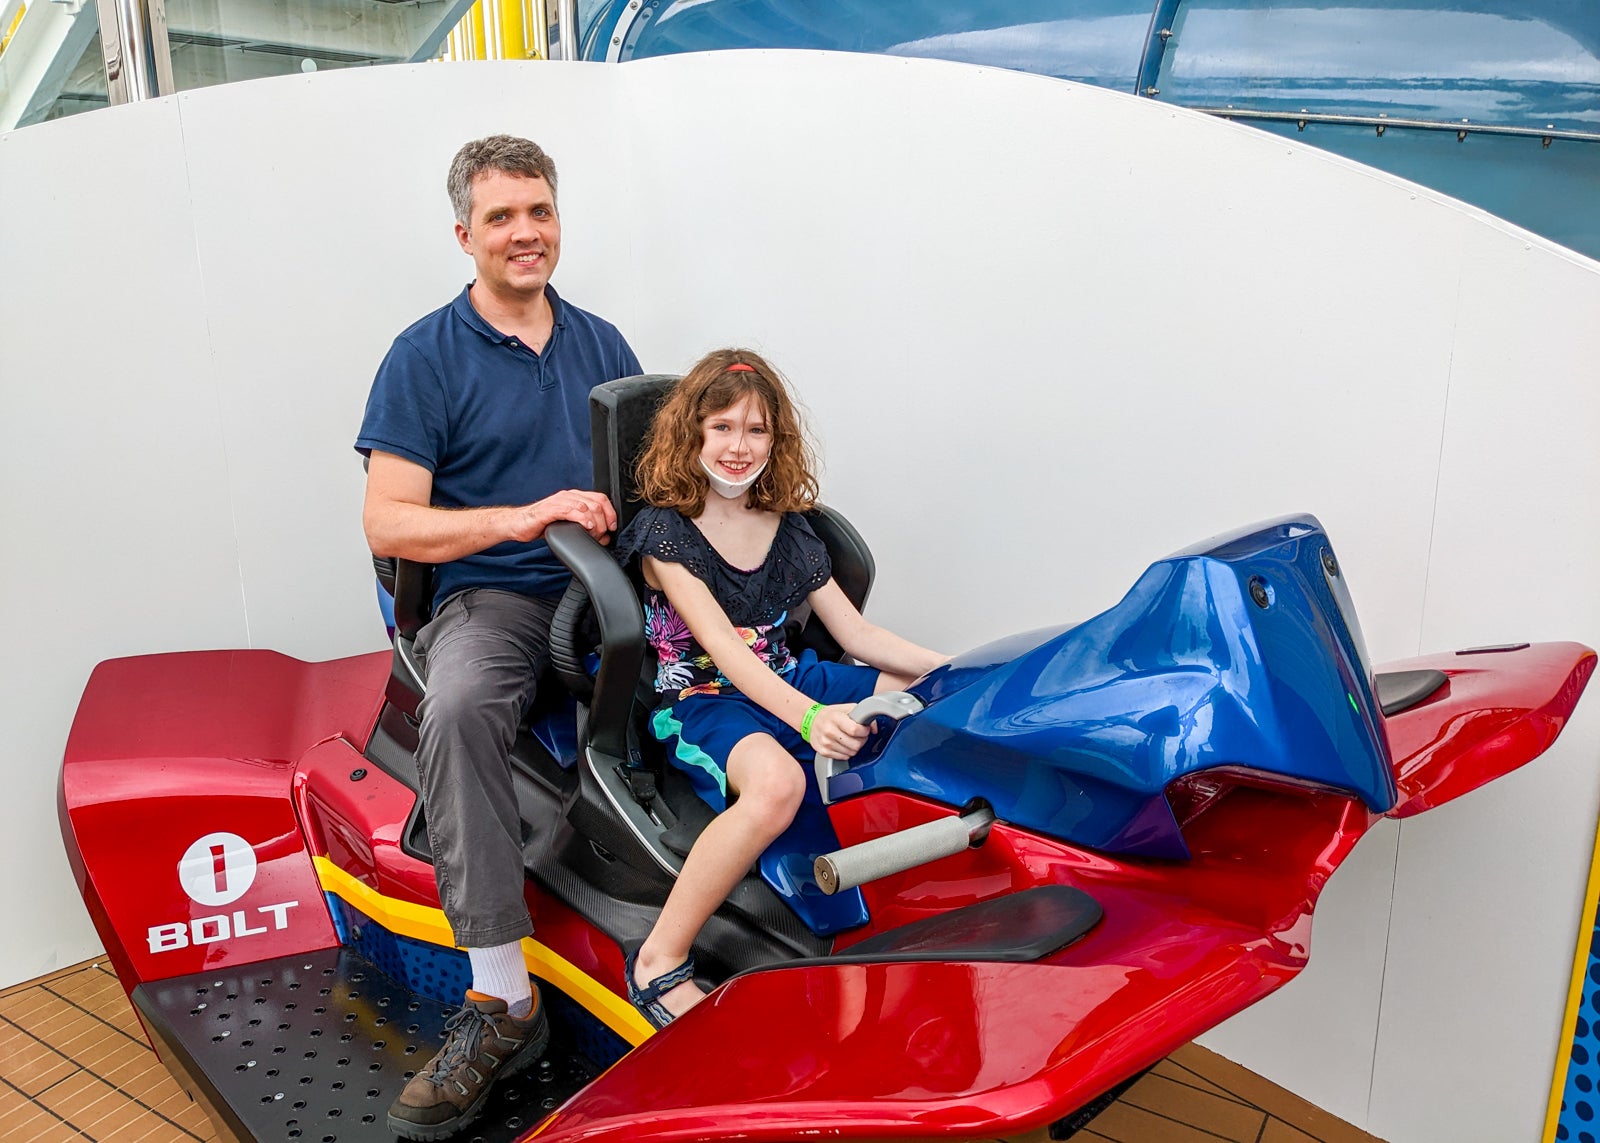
(897, 852)
(890, 704)
(893, 704)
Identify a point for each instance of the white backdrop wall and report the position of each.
(1046, 334)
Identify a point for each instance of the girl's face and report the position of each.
(736, 440)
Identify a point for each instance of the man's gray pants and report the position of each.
(481, 655)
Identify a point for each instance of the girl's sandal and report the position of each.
(647, 998)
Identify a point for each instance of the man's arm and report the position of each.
(401, 521)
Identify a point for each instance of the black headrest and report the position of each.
(620, 413)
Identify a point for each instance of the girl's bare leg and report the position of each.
(770, 784)
(888, 682)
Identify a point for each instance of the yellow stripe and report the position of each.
(424, 923)
(1569, 1023)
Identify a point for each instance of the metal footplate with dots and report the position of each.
(314, 1047)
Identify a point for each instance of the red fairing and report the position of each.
(914, 1050)
(176, 808)
(1498, 709)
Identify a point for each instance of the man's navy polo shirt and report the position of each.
(495, 422)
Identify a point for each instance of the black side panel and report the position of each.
(1018, 927)
(413, 596)
(1402, 690)
(316, 1047)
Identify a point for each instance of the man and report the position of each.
(477, 430)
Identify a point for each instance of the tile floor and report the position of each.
(74, 1066)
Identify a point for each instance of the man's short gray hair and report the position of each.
(505, 153)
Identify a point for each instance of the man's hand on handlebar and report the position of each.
(590, 509)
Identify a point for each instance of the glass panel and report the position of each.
(1502, 62)
(50, 65)
(218, 41)
(1096, 41)
(1550, 190)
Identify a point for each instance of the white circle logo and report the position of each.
(217, 869)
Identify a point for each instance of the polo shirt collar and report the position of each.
(468, 313)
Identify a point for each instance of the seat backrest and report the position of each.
(620, 413)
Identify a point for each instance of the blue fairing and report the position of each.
(1242, 652)
(787, 866)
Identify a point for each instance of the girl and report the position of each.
(726, 556)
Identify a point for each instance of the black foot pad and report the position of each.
(313, 1049)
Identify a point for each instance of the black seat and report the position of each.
(624, 799)
(622, 780)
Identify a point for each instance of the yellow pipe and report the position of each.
(479, 40)
(499, 30)
(513, 34)
(22, 10)
(423, 923)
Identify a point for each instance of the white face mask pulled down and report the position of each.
(732, 489)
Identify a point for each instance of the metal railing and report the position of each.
(514, 30)
(1381, 123)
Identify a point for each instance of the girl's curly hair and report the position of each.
(668, 473)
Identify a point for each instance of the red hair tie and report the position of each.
(740, 367)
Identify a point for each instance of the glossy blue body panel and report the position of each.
(1519, 63)
(787, 866)
(1241, 652)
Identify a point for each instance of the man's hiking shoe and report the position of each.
(483, 1042)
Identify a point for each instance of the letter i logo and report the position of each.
(217, 869)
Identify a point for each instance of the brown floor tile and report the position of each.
(144, 1079)
(1124, 1123)
(56, 1133)
(96, 964)
(111, 1052)
(90, 988)
(48, 1017)
(180, 1109)
(12, 1102)
(131, 1132)
(1223, 1117)
(122, 1113)
(68, 1030)
(101, 995)
(26, 1127)
(159, 1131)
(190, 1116)
(1277, 1131)
(18, 1007)
(1179, 1074)
(27, 1064)
(1280, 1104)
(80, 1099)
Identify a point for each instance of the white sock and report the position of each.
(501, 972)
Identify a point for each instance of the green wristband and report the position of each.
(805, 723)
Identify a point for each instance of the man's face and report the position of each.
(515, 236)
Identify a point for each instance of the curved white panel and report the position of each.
(1046, 334)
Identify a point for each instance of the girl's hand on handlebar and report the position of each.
(834, 734)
